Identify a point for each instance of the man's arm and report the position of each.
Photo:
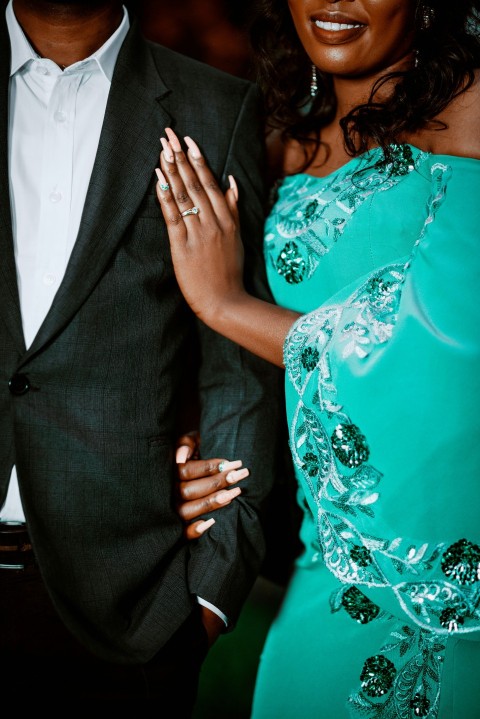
(241, 401)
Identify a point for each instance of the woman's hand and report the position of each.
(203, 227)
(207, 253)
(204, 485)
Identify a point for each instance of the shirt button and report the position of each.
(49, 279)
(55, 196)
(60, 116)
(42, 70)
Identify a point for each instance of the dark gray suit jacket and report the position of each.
(93, 436)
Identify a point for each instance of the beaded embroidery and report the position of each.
(437, 587)
(321, 215)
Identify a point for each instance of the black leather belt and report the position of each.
(15, 547)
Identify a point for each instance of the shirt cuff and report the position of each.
(214, 609)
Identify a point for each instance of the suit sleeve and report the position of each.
(242, 415)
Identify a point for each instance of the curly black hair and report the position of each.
(448, 53)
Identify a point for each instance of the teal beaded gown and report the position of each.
(381, 619)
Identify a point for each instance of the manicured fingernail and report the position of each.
(173, 140)
(203, 526)
(167, 152)
(193, 148)
(182, 454)
(233, 477)
(161, 180)
(227, 495)
(234, 186)
(224, 466)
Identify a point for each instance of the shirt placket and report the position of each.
(55, 195)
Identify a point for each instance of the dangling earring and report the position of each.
(313, 82)
(416, 60)
(427, 17)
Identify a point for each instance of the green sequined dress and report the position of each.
(382, 616)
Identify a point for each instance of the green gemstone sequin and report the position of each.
(309, 358)
(310, 209)
(420, 705)
(380, 292)
(461, 562)
(450, 618)
(290, 264)
(360, 555)
(311, 464)
(399, 162)
(377, 675)
(349, 445)
(358, 606)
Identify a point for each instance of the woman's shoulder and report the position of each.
(459, 134)
(287, 156)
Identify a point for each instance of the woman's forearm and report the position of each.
(256, 325)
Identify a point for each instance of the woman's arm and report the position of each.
(207, 253)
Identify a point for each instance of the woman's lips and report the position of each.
(337, 30)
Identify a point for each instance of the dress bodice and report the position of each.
(324, 232)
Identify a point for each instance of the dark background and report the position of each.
(214, 31)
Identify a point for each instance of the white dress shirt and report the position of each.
(55, 120)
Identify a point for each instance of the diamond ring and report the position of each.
(191, 211)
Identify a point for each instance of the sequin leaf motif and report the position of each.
(314, 220)
(358, 606)
(290, 263)
(354, 602)
(403, 681)
(374, 321)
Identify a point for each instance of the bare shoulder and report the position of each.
(462, 118)
(285, 157)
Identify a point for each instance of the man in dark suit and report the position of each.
(96, 348)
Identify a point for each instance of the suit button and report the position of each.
(19, 384)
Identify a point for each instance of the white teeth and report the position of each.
(334, 26)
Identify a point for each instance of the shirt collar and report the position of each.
(105, 57)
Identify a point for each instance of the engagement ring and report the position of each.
(191, 211)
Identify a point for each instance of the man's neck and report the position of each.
(67, 32)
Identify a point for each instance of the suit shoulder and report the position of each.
(175, 67)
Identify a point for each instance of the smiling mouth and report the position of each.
(336, 26)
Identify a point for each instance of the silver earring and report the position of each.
(313, 82)
(427, 17)
(416, 59)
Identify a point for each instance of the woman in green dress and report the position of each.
(372, 245)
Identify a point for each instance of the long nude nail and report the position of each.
(226, 466)
(181, 455)
(203, 526)
(233, 186)
(173, 140)
(193, 148)
(233, 477)
(227, 495)
(167, 152)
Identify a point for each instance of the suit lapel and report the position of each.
(124, 166)
(9, 298)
